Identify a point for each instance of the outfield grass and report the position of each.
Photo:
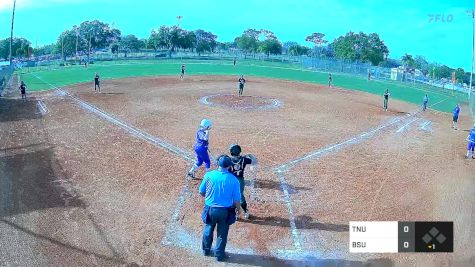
(63, 76)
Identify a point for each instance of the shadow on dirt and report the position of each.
(301, 222)
(59, 243)
(28, 182)
(257, 260)
(269, 184)
(17, 109)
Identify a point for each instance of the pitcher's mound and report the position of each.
(241, 103)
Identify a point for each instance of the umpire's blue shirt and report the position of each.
(221, 189)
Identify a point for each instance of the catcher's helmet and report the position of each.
(224, 161)
(205, 123)
(235, 150)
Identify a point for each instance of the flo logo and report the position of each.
(441, 18)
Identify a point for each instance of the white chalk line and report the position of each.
(131, 129)
(288, 202)
(320, 152)
(145, 136)
(185, 189)
(405, 125)
(423, 127)
(42, 107)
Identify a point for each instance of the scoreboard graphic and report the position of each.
(395, 237)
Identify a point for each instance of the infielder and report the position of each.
(241, 81)
(201, 147)
(386, 99)
(425, 101)
(455, 117)
(23, 90)
(182, 75)
(330, 80)
(471, 143)
(237, 168)
(97, 83)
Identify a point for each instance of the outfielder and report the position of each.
(97, 82)
(241, 81)
(425, 101)
(386, 99)
(471, 143)
(237, 168)
(201, 147)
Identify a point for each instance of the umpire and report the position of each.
(220, 188)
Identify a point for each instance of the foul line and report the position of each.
(131, 129)
(320, 152)
(425, 125)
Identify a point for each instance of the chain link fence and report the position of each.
(6, 73)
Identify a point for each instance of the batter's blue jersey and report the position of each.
(202, 139)
(471, 136)
(456, 111)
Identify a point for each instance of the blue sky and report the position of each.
(405, 26)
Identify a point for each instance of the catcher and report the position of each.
(237, 168)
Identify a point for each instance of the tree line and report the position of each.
(95, 35)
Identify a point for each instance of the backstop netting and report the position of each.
(5, 75)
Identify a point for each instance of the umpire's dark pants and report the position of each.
(218, 217)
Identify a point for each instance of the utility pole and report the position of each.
(77, 41)
(62, 47)
(179, 20)
(472, 13)
(11, 33)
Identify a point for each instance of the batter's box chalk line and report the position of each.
(42, 107)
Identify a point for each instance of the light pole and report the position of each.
(179, 20)
(77, 41)
(473, 50)
(11, 33)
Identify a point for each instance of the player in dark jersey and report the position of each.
(182, 71)
(330, 80)
(239, 164)
(23, 90)
(97, 83)
(386, 99)
(241, 81)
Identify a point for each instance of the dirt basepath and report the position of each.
(76, 190)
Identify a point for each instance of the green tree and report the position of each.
(459, 75)
(20, 48)
(408, 61)
(86, 37)
(247, 44)
(299, 50)
(360, 47)
(98, 34)
(205, 41)
(160, 38)
(130, 43)
(44, 50)
(317, 39)
(270, 46)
